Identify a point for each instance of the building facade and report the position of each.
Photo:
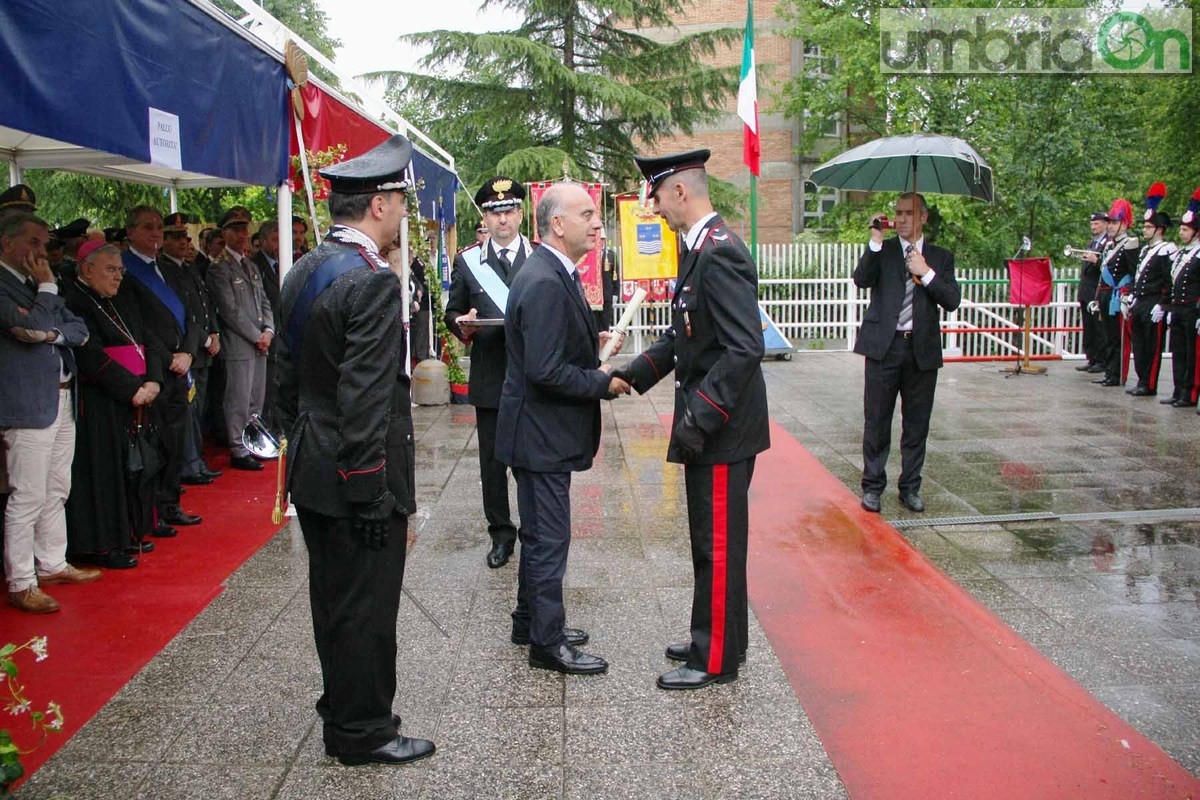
(787, 203)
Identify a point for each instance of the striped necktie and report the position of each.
(579, 286)
(906, 308)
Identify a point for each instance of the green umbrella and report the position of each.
(936, 164)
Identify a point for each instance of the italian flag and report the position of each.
(748, 96)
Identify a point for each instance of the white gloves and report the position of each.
(1093, 307)
(1157, 314)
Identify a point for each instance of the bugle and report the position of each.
(1079, 252)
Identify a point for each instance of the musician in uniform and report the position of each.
(479, 284)
(1118, 262)
(1184, 320)
(715, 346)
(1089, 279)
(1145, 307)
(345, 405)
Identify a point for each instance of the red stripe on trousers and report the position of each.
(1194, 389)
(720, 556)
(1156, 362)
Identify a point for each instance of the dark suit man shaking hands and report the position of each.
(549, 420)
(901, 338)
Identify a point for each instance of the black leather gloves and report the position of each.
(369, 521)
(689, 437)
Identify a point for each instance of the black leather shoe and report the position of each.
(681, 651)
(401, 750)
(175, 515)
(141, 547)
(164, 532)
(1142, 391)
(1083, 368)
(248, 463)
(211, 473)
(196, 480)
(688, 678)
(1107, 382)
(1183, 404)
(913, 502)
(871, 501)
(1095, 368)
(565, 658)
(575, 637)
(1169, 401)
(498, 556)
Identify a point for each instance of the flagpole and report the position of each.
(754, 216)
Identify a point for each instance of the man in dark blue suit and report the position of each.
(901, 338)
(549, 419)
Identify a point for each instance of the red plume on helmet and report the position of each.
(1121, 211)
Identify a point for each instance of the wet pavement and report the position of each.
(226, 709)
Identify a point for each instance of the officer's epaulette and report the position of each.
(1132, 243)
(720, 234)
(468, 247)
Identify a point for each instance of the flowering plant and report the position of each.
(317, 160)
(17, 704)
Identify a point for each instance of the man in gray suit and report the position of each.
(37, 415)
(246, 318)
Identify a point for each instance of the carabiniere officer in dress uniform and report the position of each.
(344, 402)
(715, 347)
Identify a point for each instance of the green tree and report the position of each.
(567, 86)
(1060, 146)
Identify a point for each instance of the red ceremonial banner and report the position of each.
(589, 265)
(1029, 281)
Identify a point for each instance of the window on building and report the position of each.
(819, 67)
(818, 202)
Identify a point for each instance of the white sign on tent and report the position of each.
(164, 139)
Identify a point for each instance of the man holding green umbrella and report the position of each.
(901, 338)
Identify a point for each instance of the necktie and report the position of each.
(32, 284)
(505, 261)
(579, 286)
(906, 311)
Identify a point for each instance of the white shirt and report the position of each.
(511, 249)
(875, 247)
(567, 263)
(692, 238)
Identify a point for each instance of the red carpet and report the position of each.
(915, 689)
(108, 630)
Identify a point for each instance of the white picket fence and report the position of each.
(808, 292)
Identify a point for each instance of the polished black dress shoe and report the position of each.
(211, 473)
(688, 678)
(1169, 401)
(1107, 382)
(575, 637)
(871, 501)
(1183, 404)
(175, 515)
(401, 750)
(1142, 391)
(565, 658)
(913, 502)
(1083, 368)
(248, 463)
(140, 547)
(681, 652)
(498, 556)
(199, 479)
(1095, 368)
(164, 532)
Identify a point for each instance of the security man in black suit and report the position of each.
(344, 401)
(1089, 279)
(1183, 316)
(901, 338)
(1147, 302)
(549, 420)
(715, 346)
(479, 284)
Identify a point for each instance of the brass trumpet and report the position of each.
(1079, 252)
